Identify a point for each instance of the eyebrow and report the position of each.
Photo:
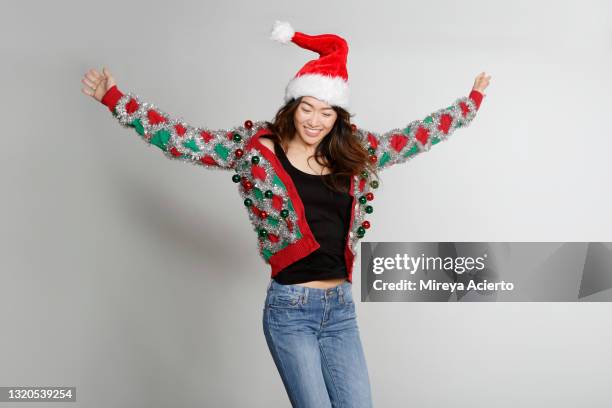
(313, 106)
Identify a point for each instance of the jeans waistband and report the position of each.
(303, 290)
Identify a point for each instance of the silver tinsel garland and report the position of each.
(242, 165)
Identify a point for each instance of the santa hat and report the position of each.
(324, 78)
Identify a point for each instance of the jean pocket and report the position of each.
(285, 300)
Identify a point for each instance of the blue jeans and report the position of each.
(314, 340)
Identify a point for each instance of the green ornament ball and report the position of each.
(236, 137)
(364, 174)
(369, 209)
(284, 213)
(248, 202)
(363, 200)
(269, 194)
(255, 159)
(361, 231)
(263, 233)
(371, 150)
(236, 178)
(374, 183)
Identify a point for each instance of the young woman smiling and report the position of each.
(306, 179)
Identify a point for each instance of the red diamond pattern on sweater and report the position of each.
(258, 172)
(209, 160)
(277, 202)
(373, 141)
(256, 210)
(206, 136)
(131, 106)
(155, 118)
(398, 142)
(445, 123)
(422, 134)
(180, 129)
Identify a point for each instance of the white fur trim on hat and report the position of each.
(282, 32)
(333, 90)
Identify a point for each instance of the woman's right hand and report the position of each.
(481, 82)
(96, 84)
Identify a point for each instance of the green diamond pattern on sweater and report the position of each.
(258, 194)
(222, 151)
(428, 119)
(138, 126)
(278, 182)
(161, 138)
(412, 150)
(383, 159)
(266, 253)
(272, 221)
(191, 144)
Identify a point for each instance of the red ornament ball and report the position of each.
(365, 224)
(248, 185)
(373, 159)
(238, 153)
(263, 214)
(369, 196)
(248, 124)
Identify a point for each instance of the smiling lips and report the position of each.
(311, 132)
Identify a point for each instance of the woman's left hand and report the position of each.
(481, 82)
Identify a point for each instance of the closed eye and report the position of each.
(327, 115)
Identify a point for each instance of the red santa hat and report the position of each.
(324, 78)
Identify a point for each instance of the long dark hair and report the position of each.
(340, 150)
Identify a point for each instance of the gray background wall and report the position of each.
(137, 279)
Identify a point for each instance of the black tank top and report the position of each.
(328, 214)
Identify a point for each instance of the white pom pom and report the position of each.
(282, 32)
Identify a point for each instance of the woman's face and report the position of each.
(313, 120)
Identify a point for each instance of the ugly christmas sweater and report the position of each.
(270, 197)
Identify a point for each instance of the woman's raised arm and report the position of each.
(177, 139)
(401, 144)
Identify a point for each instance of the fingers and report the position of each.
(87, 91)
(110, 81)
(93, 75)
(482, 81)
(106, 72)
(89, 83)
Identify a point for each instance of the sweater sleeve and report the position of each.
(177, 139)
(401, 144)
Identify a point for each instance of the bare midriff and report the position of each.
(323, 284)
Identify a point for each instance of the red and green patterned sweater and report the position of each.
(271, 200)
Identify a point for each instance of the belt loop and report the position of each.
(305, 295)
(341, 293)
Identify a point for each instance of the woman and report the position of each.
(300, 177)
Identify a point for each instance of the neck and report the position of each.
(299, 146)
